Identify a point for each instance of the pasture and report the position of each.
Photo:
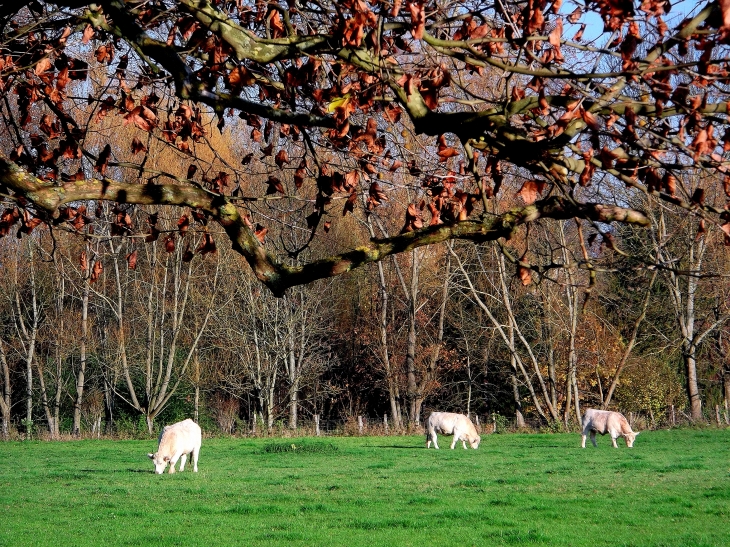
(671, 489)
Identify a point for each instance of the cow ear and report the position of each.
(151, 456)
(167, 458)
(637, 432)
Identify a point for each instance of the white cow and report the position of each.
(448, 423)
(176, 442)
(604, 421)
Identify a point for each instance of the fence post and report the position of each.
(727, 418)
(717, 414)
(253, 425)
(316, 425)
(477, 418)
(359, 424)
(494, 423)
(385, 422)
(674, 423)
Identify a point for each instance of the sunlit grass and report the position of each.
(672, 489)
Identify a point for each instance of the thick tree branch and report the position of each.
(279, 277)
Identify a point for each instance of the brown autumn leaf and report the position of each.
(62, 79)
(104, 53)
(529, 191)
(554, 38)
(207, 245)
(96, 271)
(187, 254)
(88, 34)
(524, 273)
(414, 221)
(669, 183)
(260, 233)
(417, 10)
(132, 260)
(137, 146)
(350, 204)
(375, 196)
(43, 65)
(142, 117)
(102, 161)
(578, 36)
(29, 222)
(281, 158)
(275, 186)
(574, 16)
(170, 243)
(183, 224)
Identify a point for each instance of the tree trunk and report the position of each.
(391, 380)
(695, 403)
(81, 376)
(44, 400)
(5, 396)
(412, 299)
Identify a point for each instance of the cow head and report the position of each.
(159, 461)
(630, 438)
(474, 442)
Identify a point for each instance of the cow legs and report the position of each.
(434, 438)
(593, 438)
(183, 459)
(464, 443)
(583, 440)
(196, 451)
(613, 441)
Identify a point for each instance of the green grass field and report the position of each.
(672, 489)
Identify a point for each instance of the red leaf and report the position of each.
(260, 232)
(188, 254)
(529, 191)
(554, 38)
(183, 224)
(132, 260)
(170, 243)
(207, 245)
(418, 19)
(579, 35)
(281, 158)
(43, 65)
(96, 271)
(523, 272)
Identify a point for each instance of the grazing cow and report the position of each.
(176, 442)
(448, 423)
(604, 421)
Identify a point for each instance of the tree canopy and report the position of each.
(467, 119)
